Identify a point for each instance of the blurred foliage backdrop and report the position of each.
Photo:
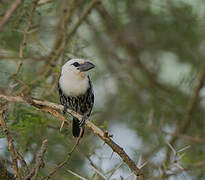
(148, 83)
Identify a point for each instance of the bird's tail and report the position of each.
(76, 128)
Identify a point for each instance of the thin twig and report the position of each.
(111, 172)
(189, 111)
(189, 167)
(10, 57)
(77, 175)
(99, 173)
(95, 168)
(63, 37)
(23, 44)
(23, 163)
(4, 173)
(92, 4)
(9, 13)
(178, 135)
(62, 28)
(45, 2)
(39, 162)
(10, 144)
(67, 158)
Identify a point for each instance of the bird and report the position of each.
(76, 91)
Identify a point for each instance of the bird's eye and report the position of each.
(76, 64)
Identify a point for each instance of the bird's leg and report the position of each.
(64, 109)
(82, 122)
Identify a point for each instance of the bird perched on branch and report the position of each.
(75, 90)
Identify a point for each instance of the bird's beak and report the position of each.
(86, 66)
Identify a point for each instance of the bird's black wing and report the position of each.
(89, 98)
(63, 99)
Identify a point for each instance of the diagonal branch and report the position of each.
(66, 160)
(63, 37)
(9, 13)
(39, 162)
(10, 144)
(23, 163)
(4, 173)
(23, 44)
(189, 111)
(103, 135)
(77, 175)
(95, 168)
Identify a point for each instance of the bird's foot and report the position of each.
(82, 122)
(64, 109)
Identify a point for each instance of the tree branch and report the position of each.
(25, 35)
(9, 13)
(189, 111)
(10, 144)
(103, 135)
(39, 162)
(4, 174)
(66, 160)
(77, 175)
(23, 163)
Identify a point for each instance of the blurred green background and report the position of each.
(148, 57)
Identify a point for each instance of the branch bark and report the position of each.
(23, 44)
(4, 174)
(39, 162)
(66, 160)
(189, 111)
(9, 13)
(103, 135)
(10, 144)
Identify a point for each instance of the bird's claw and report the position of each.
(82, 122)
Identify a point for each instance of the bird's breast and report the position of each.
(73, 86)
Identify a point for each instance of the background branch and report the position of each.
(67, 158)
(4, 173)
(11, 146)
(189, 111)
(9, 13)
(26, 31)
(39, 162)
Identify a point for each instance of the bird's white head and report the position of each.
(73, 79)
(77, 66)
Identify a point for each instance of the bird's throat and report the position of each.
(74, 85)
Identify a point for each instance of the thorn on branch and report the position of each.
(107, 135)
